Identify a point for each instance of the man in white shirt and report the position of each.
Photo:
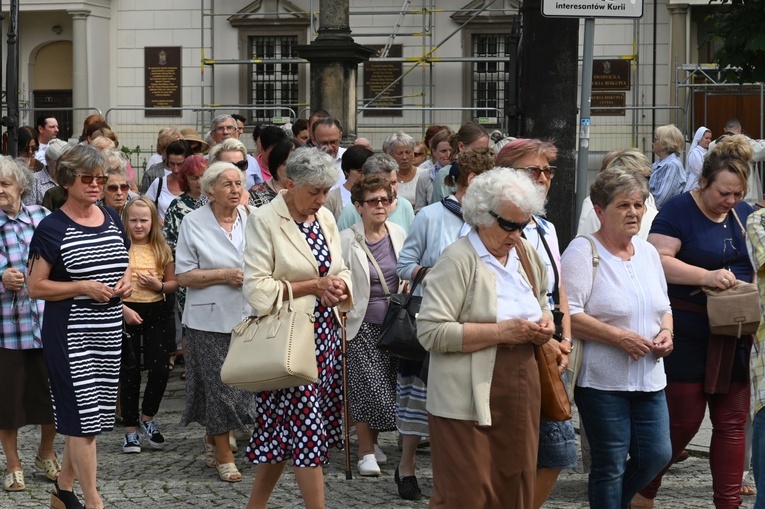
(326, 135)
(47, 129)
(225, 127)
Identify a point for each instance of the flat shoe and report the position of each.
(60, 499)
(51, 466)
(748, 491)
(408, 489)
(380, 456)
(209, 453)
(14, 481)
(232, 444)
(228, 472)
(368, 466)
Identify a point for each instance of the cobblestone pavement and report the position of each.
(177, 477)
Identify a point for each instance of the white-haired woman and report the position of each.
(400, 146)
(482, 312)
(294, 238)
(208, 262)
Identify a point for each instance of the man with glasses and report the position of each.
(326, 135)
(225, 127)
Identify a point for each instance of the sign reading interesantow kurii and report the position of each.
(593, 8)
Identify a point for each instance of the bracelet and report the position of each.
(569, 342)
(671, 333)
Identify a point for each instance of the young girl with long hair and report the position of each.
(151, 262)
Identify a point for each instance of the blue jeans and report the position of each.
(629, 440)
(758, 457)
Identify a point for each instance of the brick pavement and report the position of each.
(177, 477)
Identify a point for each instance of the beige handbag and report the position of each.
(272, 352)
(734, 311)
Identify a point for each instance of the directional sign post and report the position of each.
(588, 9)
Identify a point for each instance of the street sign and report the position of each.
(593, 8)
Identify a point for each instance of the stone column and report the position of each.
(677, 52)
(334, 59)
(80, 94)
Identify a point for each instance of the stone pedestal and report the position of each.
(678, 13)
(334, 59)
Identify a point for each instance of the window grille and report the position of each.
(273, 83)
(490, 79)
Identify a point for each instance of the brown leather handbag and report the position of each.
(555, 405)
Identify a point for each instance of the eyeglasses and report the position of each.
(226, 128)
(507, 225)
(33, 148)
(418, 154)
(15, 313)
(88, 179)
(242, 165)
(536, 171)
(374, 202)
(113, 188)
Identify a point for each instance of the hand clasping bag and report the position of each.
(272, 352)
(398, 333)
(734, 311)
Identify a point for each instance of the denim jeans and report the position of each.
(629, 440)
(758, 457)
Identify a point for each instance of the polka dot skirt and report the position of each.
(304, 422)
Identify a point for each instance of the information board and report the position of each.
(593, 8)
(162, 81)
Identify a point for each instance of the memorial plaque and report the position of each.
(377, 76)
(608, 100)
(162, 81)
(611, 74)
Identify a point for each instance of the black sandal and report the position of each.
(60, 499)
(408, 489)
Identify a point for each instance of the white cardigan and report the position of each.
(356, 259)
(203, 245)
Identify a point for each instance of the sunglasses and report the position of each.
(88, 179)
(418, 154)
(507, 225)
(33, 148)
(536, 171)
(373, 202)
(113, 188)
(15, 313)
(242, 165)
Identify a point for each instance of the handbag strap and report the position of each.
(555, 292)
(363, 241)
(523, 256)
(290, 307)
(415, 282)
(743, 230)
(595, 256)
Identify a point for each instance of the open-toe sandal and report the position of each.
(14, 481)
(228, 472)
(51, 466)
(60, 499)
(209, 453)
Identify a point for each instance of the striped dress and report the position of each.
(82, 338)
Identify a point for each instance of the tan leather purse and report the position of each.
(272, 352)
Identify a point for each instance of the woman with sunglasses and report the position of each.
(370, 249)
(78, 264)
(22, 366)
(484, 308)
(117, 189)
(557, 447)
(621, 313)
(28, 147)
(434, 228)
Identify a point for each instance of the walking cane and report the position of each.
(346, 416)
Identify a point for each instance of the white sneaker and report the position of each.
(368, 466)
(380, 456)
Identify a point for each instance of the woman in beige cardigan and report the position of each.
(480, 318)
(295, 239)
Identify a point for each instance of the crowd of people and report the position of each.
(105, 278)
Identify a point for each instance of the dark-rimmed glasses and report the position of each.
(113, 188)
(536, 171)
(373, 202)
(88, 179)
(507, 225)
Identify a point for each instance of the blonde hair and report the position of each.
(731, 153)
(159, 247)
(670, 138)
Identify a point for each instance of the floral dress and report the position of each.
(304, 422)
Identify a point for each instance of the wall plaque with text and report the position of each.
(377, 76)
(162, 81)
(608, 100)
(611, 74)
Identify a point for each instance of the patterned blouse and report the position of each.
(261, 194)
(176, 212)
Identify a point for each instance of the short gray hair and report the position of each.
(220, 119)
(213, 172)
(399, 138)
(310, 166)
(488, 190)
(227, 145)
(17, 169)
(614, 180)
(379, 163)
(82, 159)
(116, 163)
